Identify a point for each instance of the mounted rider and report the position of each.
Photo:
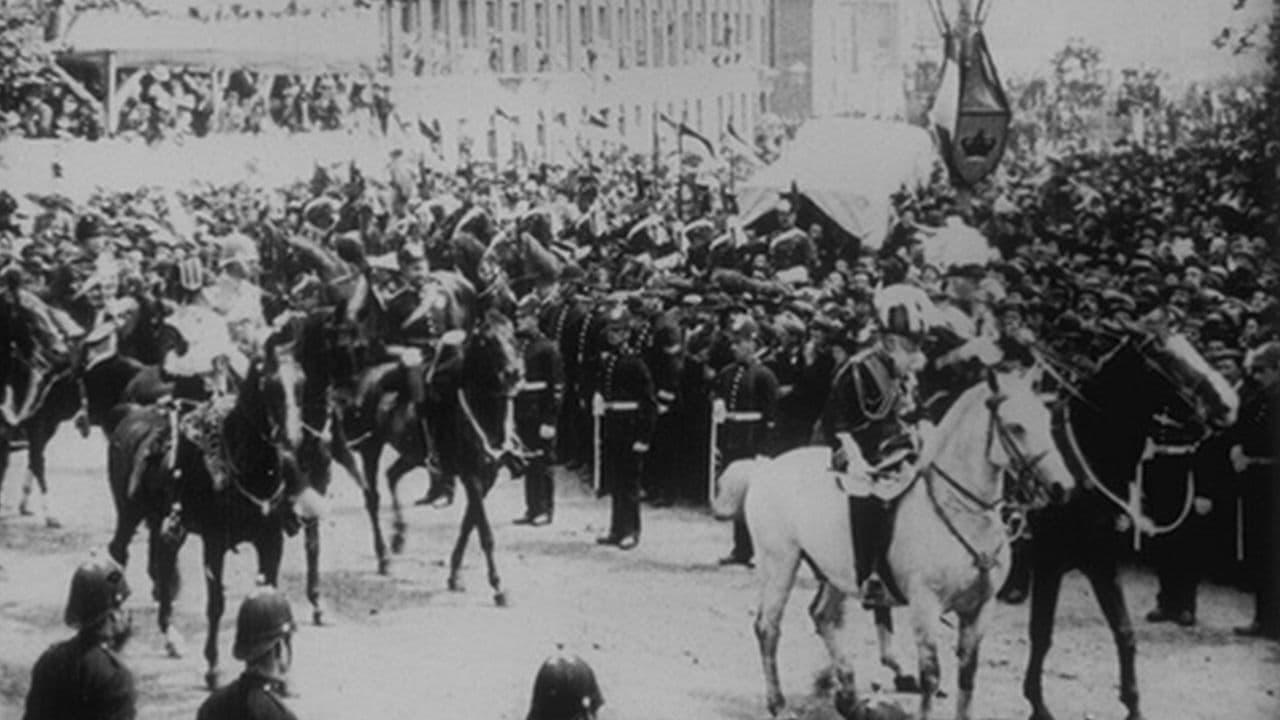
(867, 421)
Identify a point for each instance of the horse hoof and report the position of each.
(775, 705)
(174, 647)
(211, 679)
(906, 684)
(317, 615)
(397, 543)
(25, 509)
(1041, 714)
(455, 585)
(52, 523)
(501, 600)
(384, 566)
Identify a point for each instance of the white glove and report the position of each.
(1238, 460)
(640, 447)
(547, 432)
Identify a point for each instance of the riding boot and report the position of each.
(868, 522)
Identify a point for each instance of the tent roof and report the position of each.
(338, 42)
(849, 168)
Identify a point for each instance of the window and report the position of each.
(491, 16)
(688, 30)
(540, 24)
(464, 22)
(602, 22)
(584, 25)
(516, 24)
(406, 17)
(715, 29)
(658, 35)
(642, 53)
(437, 16)
(558, 36)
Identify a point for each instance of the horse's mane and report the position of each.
(961, 409)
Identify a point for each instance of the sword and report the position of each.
(718, 414)
(597, 412)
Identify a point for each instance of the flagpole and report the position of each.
(684, 122)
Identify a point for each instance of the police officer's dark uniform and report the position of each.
(629, 405)
(537, 408)
(265, 620)
(749, 391)
(83, 678)
(659, 342)
(1254, 435)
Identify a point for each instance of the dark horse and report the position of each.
(1102, 428)
(170, 488)
(84, 389)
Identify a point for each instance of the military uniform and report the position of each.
(536, 409)
(660, 344)
(81, 679)
(630, 411)
(250, 697)
(866, 401)
(749, 391)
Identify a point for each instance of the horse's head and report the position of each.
(1020, 442)
(492, 362)
(1177, 380)
(282, 388)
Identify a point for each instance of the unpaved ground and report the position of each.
(668, 632)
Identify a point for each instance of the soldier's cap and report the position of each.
(528, 306)
(743, 327)
(1116, 301)
(1224, 354)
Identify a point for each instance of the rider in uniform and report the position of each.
(866, 423)
(414, 337)
(537, 408)
(84, 677)
(749, 392)
(625, 389)
(264, 641)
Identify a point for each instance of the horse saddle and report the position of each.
(888, 486)
(204, 426)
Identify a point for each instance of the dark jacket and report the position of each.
(80, 679)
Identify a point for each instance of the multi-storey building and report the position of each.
(842, 57)
(548, 65)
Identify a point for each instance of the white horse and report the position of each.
(949, 549)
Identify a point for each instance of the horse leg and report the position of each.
(370, 453)
(972, 628)
(1106, 587)
(460, 547)
(926, 614)
(1046, 581)
(4, 457)
(311, 543)
(398, 469)
(166, 582)
(829, 612)
(485, 531)
(127, 519)
(903, 682)
(779, 572)
(38, 435)
(215, 604)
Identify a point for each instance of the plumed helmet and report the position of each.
(565, 689)
(322, 213)
(97, 587)
(265, 617)
(878, 708)
(904, 310)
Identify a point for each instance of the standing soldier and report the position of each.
(264, 641)
(84, 677)
(748, 392)
(659, 342)
(537, 408)
(625, 408)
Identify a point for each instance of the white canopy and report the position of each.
(849, 168)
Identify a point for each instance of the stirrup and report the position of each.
(874, 593)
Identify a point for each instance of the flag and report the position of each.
(970, 113)
(599, 118)
(686, 131)
(430, 132)
(506, 116)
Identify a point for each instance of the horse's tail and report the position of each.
(138, 434)
(731, 489)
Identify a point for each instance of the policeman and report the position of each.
(626, 407)
(264, 641)
(565, 689)
(537, 408)
(864, 422)
(84, 677)
(749, 393)
(659, 341)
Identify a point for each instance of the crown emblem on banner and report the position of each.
(978, 145)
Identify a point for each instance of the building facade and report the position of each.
(531, 72)
(842, 57)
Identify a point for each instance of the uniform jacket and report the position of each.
(748, 387)
(80, 679)
(864, 402)
(250, 697)
(538, 402)
(622, 377)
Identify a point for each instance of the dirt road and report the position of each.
(668, 631)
